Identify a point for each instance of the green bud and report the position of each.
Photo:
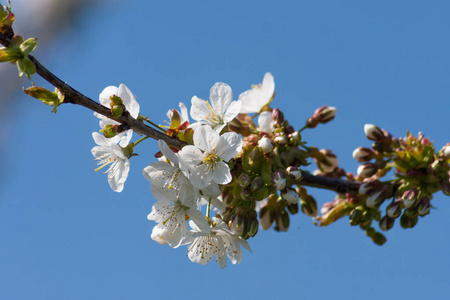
(109, 131)
(117, 110)
(253, 228)
(408, 222)
(378, 238)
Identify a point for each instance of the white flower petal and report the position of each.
(221, 173)
(229, 144)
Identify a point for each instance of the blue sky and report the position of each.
(65, 235)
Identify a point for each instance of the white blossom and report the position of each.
(172, 214)
(220, 111)
(109, 153)
(205, 161)
(219, 242)
(130, 103)
(259, 96)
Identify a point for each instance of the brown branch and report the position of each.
(75, 97)
(128, 122)
(333, 184)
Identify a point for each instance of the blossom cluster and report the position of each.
(188, 184)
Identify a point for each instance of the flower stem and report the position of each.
(140, 140)
(208, 208)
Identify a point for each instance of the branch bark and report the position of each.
(128, 122)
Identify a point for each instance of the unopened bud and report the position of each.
(309, 206)
(279, 180)
(325, 114)
(356, 216)
(373, 201)
(386, 223)
(408, 222)
(290, 195)
(243, 180)
(265, 144)
(292, 208)
(294, 172)
(368, 188)
(253, 228)
(109, 131)
(363, 154)
(410, 197)
(277, 116)
(257, 183)
(378, 238)
(424, 206)
(373, 132)
(282, 221)
(445, 186)
(366, 170)
(174, 117)
(280, 138)
(266, 218)
(294, 138)
(394, 210)
(329, 161)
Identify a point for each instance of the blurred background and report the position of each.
(65, 235)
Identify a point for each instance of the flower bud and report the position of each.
(294, 172)
(110, 131)
(368, 188)
(410, 197)
(408, 222)
(424, 206)
(356, 215)
(378, 238)
(290, 195)
(309, 206)
(366, 170)
(282, 221)
(243, 180)
(445, 186)
(386, 223)
(325, 114)
(294, 138)
(374, 200)
(394, 210)
(373, 132)
(257, 183)
(329, 161)
(280, 138)
(363, 154)
(279, 180)
(292, 208)
(265, 144)
(277, 116)
(266, 217)
(174, 117)
(253, 228)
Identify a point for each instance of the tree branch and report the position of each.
(128, 122)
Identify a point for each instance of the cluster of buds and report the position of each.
(419, 170)
(419, 173)
(266, 174)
